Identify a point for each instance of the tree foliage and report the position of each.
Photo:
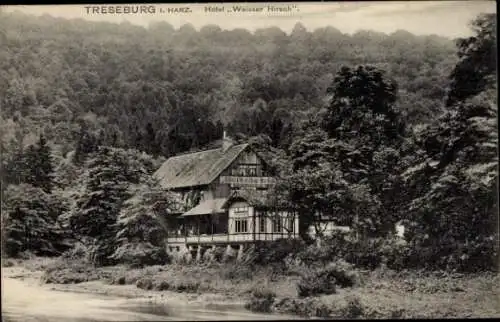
(336, 167)
(453, 177)
(30, 221)
(476, 69)
(361, 129)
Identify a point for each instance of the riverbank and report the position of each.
(378, 294)
(33, 272)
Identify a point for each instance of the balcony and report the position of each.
(176, 240)
(226, 238)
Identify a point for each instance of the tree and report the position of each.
(314, 185)
(29, 221)
(33, 166)
(98, 208)
(43, 169)
(368, 130)
(106, 183)
(85, 145)
(150, 140)
(476, 69)
(142, 226)
(452, 180)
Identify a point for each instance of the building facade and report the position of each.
(225, 200)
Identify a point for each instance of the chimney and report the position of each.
(226, 142)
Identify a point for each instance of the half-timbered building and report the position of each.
(225, 200)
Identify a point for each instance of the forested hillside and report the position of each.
(164, 91)
(378, 128)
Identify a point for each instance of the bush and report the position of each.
(475, 256)
(361, 253)
(324, 280)
(72, 272)
(365, 253)
(303, 307)
(353, 309)
(145, 283)
(261, 300)
(162, 286)
(314, 285)
(8, 263)
(218, 254)
(276, 251)
(78, 252)
(141, 254)
(313, 254)
(119, 280)
(236, 271)
(186, 286)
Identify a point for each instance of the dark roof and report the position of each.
(207, 207)
(198, 168)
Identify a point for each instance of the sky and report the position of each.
(444, 18)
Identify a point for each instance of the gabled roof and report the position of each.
(198, 168)
(207, 207)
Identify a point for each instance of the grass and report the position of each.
(375, 294)
(405, 295)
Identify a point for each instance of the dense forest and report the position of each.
(378, 128)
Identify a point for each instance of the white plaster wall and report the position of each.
(235, 215)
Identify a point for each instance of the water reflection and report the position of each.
(200, 314)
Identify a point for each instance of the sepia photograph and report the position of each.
(249, 161)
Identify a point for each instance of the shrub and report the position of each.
(229, 255)
(236, 271)
(325, 279)
(162, 286)
(365, 253)
(187, 286)
(353, 309)
(361, 253)
(72, 272)
(276, 251)
(218, 253)
(444, 255)
(141, 254)
(313, 254)
(314, 285)
(78, 252)
(261, 300)
(342, 272)
(303, 307)
(121, 280)
(8, 263)
(145, 283)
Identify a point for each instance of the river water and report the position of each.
(33, 303)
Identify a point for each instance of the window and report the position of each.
(277, 225)
(291, 224)
(240, 210)
(245, 170)
(262, 223)
(240, 226)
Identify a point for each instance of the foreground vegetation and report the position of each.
(351, 292)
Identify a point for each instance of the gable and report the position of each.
(250, 159)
